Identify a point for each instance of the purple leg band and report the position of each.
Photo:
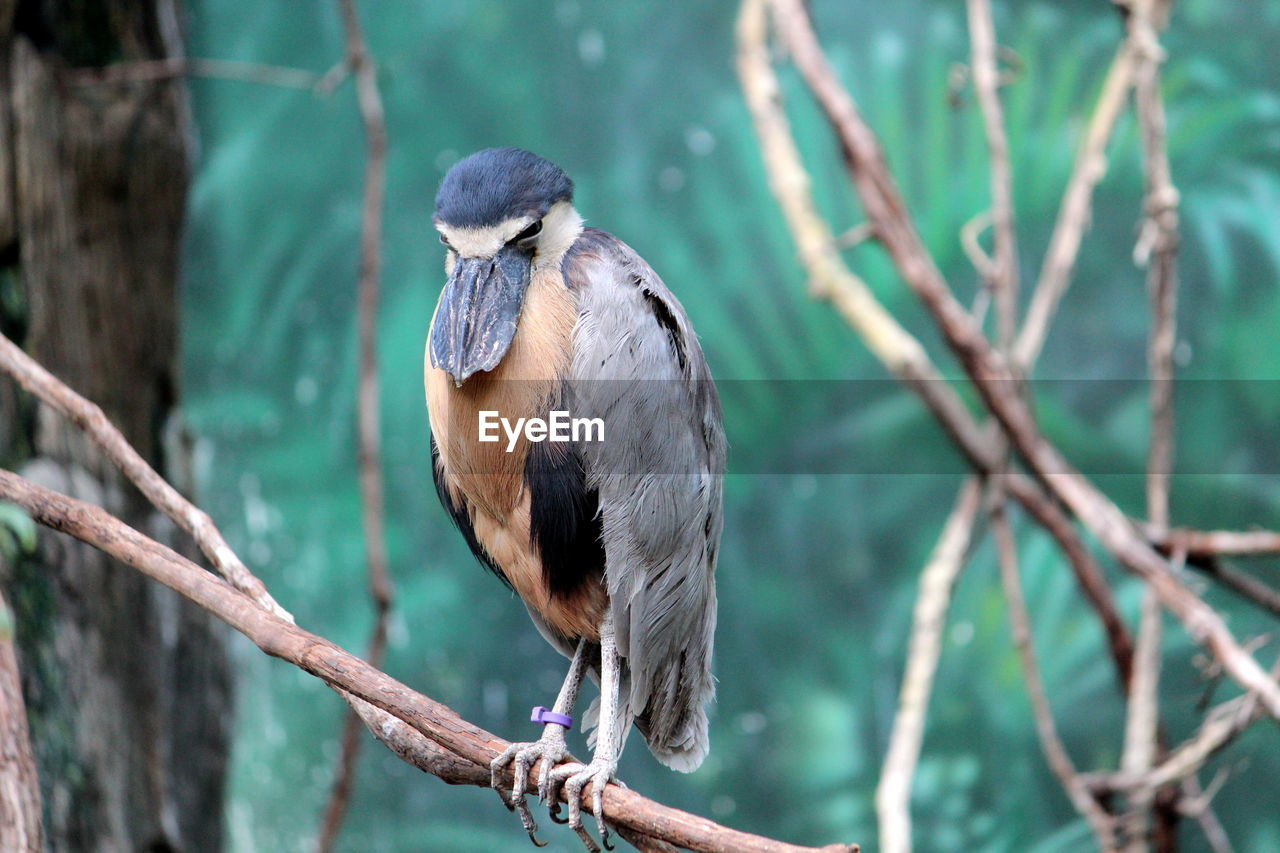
(543, 715)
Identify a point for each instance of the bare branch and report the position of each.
(368, 406)
(1162, 283)
(90, 418)
(993, 375)
(1141, 747)
(1141, 738)
(986, 84)
(901, 354)
(1221, 725)
(893, 794)
(969, 233)
(1055, 753)
(1075, 212)
(1199, 544)
(282, 639)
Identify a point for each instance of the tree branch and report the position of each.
(986, 83)
(280, 638)
(900, 353)
(1161, 229)
(1206, 544)
(937, 580)
(368, 405)
(1055, 752)
(1221, 725)
(993, 376)
(91, 420)
(1075, 213)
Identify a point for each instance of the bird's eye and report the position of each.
(525, 238)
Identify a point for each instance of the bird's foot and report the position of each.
(545, 753)
(599, 773)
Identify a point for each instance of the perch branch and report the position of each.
(91, 420)
(282, 639)
(368, 404)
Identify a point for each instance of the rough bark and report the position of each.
(19, 786)
(127, 686)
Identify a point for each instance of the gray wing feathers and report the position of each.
(637, 365)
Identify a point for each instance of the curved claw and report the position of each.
(524, 757)
(553, 812)
(597, 808)
(599, 773)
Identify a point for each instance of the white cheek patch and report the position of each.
(482, 242)
(560, 227)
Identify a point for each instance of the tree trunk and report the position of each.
(19, 787)
(127, 687)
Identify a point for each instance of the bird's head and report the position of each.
(502, 213)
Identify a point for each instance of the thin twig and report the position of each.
(1241, 583)
(986, 84)
(1055, 752)
(465, 743)
(1221, 725)
(1197, 802)
(368, 403)
(937, 580)
(1198, 544)
(91, 420)
(1075, 213)
(982, 262)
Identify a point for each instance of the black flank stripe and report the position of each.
(564, 520)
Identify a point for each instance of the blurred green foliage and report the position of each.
(640, 104)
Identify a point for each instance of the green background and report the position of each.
(640, 104)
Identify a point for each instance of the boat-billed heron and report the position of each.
(610, 536)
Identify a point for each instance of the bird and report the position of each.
(610, 540)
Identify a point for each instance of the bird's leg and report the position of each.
(604, 764)
(548, 751)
